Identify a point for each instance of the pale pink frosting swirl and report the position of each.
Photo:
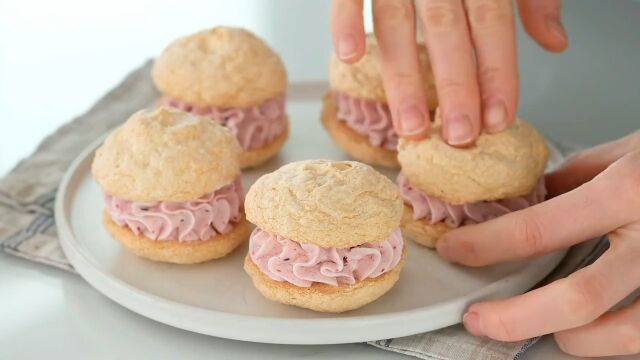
(434, 210)
(254, 126)
(304, 264)
(200, 219)
(368, 118)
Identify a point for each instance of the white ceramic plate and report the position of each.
(217, 298)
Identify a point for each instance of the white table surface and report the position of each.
(57, 58)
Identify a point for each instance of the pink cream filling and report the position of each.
(254, 126)
(434, 210)
(200, 219)
(304, 264)
(368, 118)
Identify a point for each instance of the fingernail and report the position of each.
(459, 130)
(347, 47)
(555, 26)
(471, 321)
(495, 116)
(411, 121)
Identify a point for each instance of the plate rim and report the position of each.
(357, 328)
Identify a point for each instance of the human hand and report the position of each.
(598, 192)
(471, 45)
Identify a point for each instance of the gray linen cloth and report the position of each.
(27, 226)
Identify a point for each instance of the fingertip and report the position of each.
(549, 34)
(451, 250)
(412, 122)
(350, 47)
(551, 43)
(556, 47)
(458, 130)
(456, 247)
(475, 307)
(422, 134)
(496, 116)
(443, 247)
(494, 323)
(555, 39)
(541, 20)
(471, 322)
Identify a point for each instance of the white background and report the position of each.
(58, 57)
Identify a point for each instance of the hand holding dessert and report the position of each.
(473, 53)
(597, 193)
(355, 110)
(444, 187)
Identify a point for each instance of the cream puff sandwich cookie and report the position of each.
(445, 187)
(232, 77)
(327, 235)
(171, 187)
(355, 111)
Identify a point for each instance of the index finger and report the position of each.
(593, 209)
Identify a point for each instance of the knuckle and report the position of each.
(448, 85)
(399, 80)
(392, 12)
(488, 14)
(585, 301)
(441, 16)
(528, 235)
(488, 75)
